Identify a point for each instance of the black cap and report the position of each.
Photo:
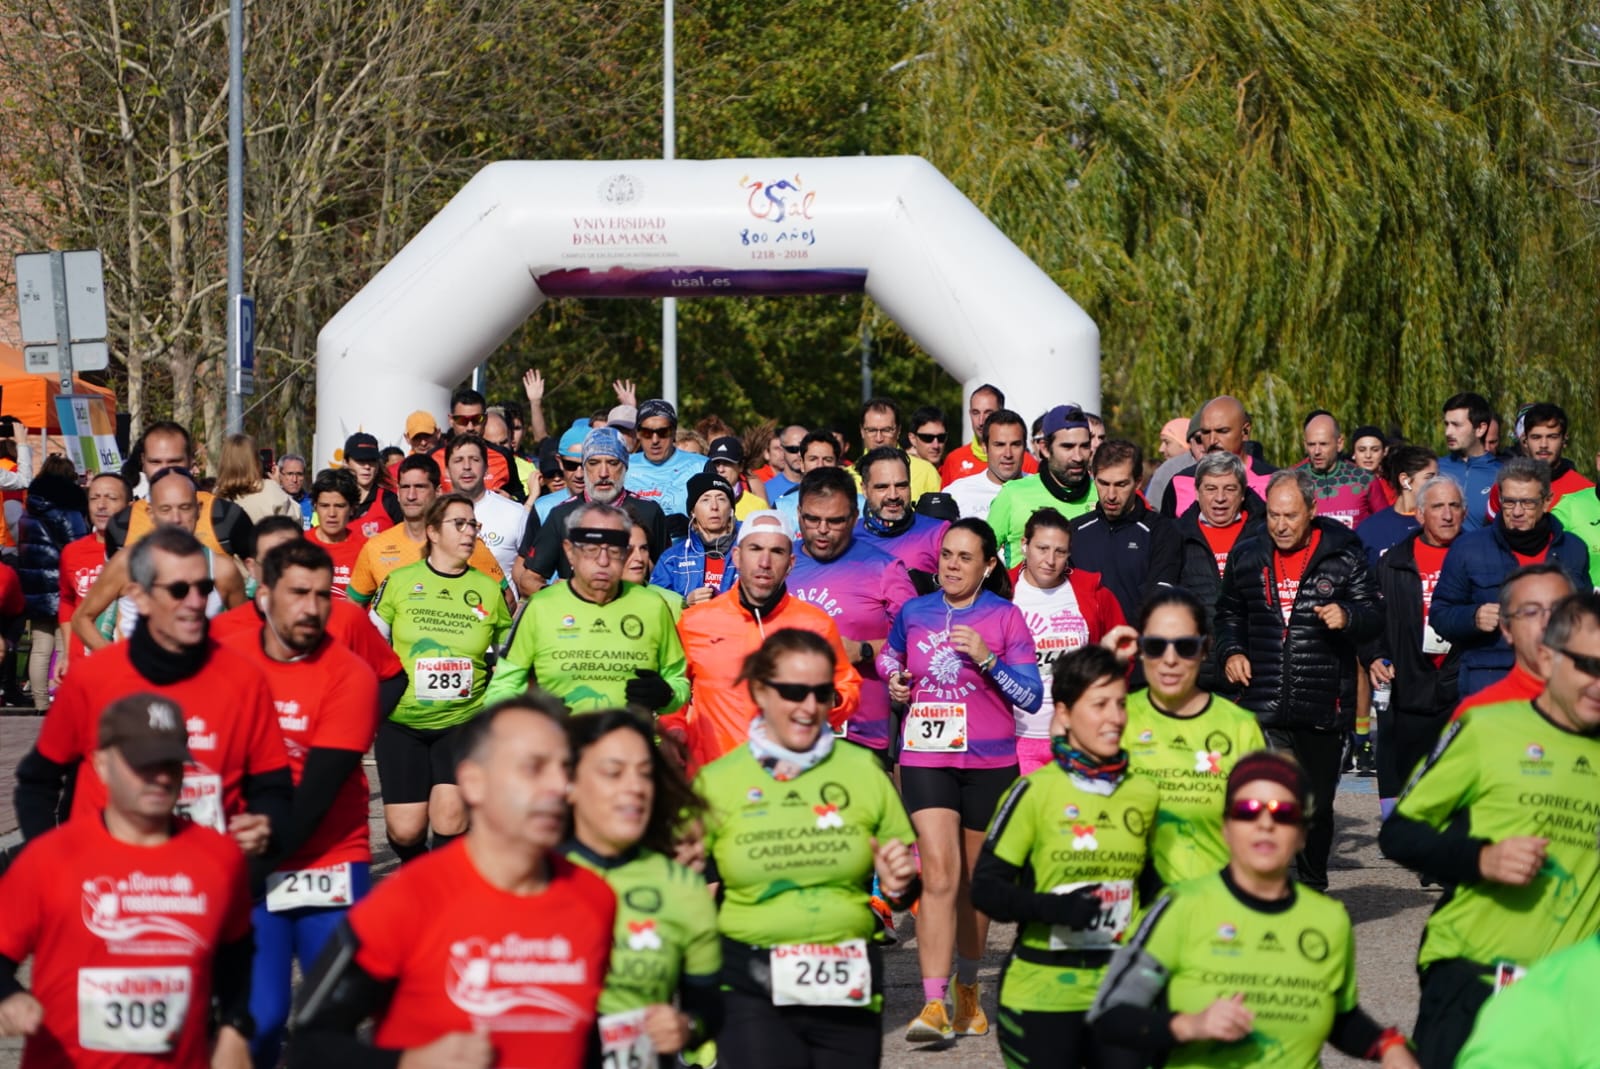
(704, 483)
(727, 448)
(362, 447)
(939, 506)
(147, 728)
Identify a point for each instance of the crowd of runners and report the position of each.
(679, 731)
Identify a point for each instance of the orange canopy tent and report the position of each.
(32, 398)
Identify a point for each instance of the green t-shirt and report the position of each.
(1064, 835)
(1579, 513)
(585, 653)
(666, 927)
(1294, 962)
(1190, 760)
(441, 626)
(795, 858)
(1544, 1020)
(1020, 499)
(1514, 773)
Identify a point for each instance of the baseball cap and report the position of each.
(656, 408)
(147, 728)
(362, 447)
(623, 417)
(571, 447)
(766, 521)
(726, 448)
(938, 506)
(1063, 418)
(706, 482)
(420, 422)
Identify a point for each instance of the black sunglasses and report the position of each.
(791, 449)
(1249, 809)
(796, 692)
(179, 589)
(571, 465)
(1589, 666)
(1154, 646)
(929, 439)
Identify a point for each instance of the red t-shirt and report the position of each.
(1290, 569)
(344, 556)
(327, 700)
(10, 591)
(376, 518)
(233, 731)
(348, 624)
(81, 562)
(1537, 558)
(525, 970)
(1430, 562)
(1519, 685)
(1222, 540)
(128, 932)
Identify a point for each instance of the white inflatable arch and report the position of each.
(521, 232)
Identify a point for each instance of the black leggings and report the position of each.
(1033, 1039)
(1453, 991)
(758, 1035)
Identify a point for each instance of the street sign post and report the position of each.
(61, 306)
(244, 309)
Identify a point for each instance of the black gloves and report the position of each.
(648, 689)
(1075, 910)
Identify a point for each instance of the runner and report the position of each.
(595, 641)
(501, 518)
(219, 523)
(327, 703)
(1185, 739)
(1066, 608)
(888, 522)
(661, 994)
(1072, 905)
(490, 952)
(1502, 811)
(1255, 969)
(238, 780)
(698, 568)
(637, 567)
(441, 617)
(1552, 1004)
(83, 560)
(796, 831)
(961, 659)
(375, 508)
(416, 488)
(135, 920)
(335, 495)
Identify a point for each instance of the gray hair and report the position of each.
(1529, 571)
(174, 541)
(1435, 483)
(1302, 481)
(292, 456)
(1568, 615)
(589, 510)
(1525, 470)
(1221, 463)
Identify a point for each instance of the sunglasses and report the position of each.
(1154, 646)
(654, 432)
(179, 589)
(930, 439)
(1589, 666)
(792, 450)
(469, 421)
(1249, 809)
(796, 692)
(571, 465)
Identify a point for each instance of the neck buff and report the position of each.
(1064, 491)
(881, 528)
(1093, 774)
(1528, 543)
(781, 763)
(160, 665)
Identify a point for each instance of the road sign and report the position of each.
(245, 359)
(46, 359)
(85, 294)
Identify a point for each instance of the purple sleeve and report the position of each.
(891, 658)
(897, 590)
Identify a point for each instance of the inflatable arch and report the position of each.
(520, 232)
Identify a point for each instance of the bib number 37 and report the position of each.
(936, 727)
(821, 974)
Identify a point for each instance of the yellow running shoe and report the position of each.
(970, 1020)
(931, 1025)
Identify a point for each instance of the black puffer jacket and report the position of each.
(1302, 675)
(1419, 688)
(56, 513)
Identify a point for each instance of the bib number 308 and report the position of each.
(132, 1011)
(821, 974)
(624, 1044)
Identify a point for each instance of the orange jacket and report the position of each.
(717, 636)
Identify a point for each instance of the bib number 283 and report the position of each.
(443, 679)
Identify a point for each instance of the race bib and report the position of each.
(132, 1011)
(624, 1044)
(1506, 974)
(298, 888)
(1432, 641)
(200, 799)
(1116, 911)
(821, 974)
(936, 727)
(442, 679)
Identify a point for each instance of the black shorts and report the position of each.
(973, 792)
(412, 761)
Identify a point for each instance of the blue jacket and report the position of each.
(56, 513)
(1478, 562)
(682, 568)
(1476, 476)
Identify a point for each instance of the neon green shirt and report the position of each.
(1579, 513)
(1020, 499)
(1189, 758)
(1514, 773)
(666, 927)
(585, 653)
(795, 858)
(1543, 1021)
(441, 626)
(1065, 835)
(1293, 960)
